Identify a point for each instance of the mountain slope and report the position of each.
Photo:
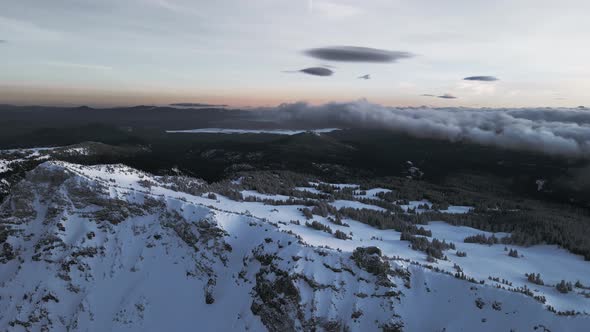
(95, 248)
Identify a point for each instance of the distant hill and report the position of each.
(197, 105)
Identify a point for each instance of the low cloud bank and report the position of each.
(559, 132)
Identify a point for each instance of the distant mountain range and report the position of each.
(197, 105)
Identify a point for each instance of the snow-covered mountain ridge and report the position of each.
(96, 248)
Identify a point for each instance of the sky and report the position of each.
(251, 52)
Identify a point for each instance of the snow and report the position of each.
(481, 261)
(309, 190)
(12, 157)
(161, 286)
(8, 165)
(33, 151)
(553, 263)
(335, 185)
(237, 181)
(250, 131)
(130, 275)
(457, 209)
(434, 302)
(252, 193)
(338, 204)
(77, 151)
(4, 166)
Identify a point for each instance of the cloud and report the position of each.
(481, 78)
(578, 116)
(316, 71)
(558, 132)
(445, 96)
(3, 41)
(356, 54)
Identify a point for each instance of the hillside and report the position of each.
(113, 248)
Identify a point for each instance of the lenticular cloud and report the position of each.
(356, 54)
(562, 132)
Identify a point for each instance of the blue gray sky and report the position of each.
(250, 53)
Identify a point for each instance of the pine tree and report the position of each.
(564, 287)
(535, 278)
(513, 253)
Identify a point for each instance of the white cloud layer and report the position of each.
(559, 132)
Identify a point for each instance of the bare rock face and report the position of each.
(6, 253)
(369, 259)
(277, 300)
(20, 204)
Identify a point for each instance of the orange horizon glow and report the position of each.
(237, 98)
